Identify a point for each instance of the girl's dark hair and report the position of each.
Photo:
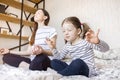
(32, 39)
(77, 24)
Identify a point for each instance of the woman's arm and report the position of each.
(6, 51)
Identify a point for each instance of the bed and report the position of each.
(108, 65)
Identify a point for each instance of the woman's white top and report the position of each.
(41, 35)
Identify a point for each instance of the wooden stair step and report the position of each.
(13, 36)
(9, 18)
(17, 5)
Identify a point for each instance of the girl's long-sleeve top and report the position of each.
(82, 50)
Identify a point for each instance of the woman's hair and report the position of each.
(32, 39)
(77, 24)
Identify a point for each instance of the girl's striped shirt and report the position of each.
(82, 50)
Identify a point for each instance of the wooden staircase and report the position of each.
(23, 22)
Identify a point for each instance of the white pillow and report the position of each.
(111, 54)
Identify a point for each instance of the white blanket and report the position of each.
(108, 64)
(108, 70)
(11, 73)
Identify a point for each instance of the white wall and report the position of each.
(103, 14)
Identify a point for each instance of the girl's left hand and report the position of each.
(92, 37)
(50, 43)
(37, 50)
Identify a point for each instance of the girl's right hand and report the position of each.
(4, 51)
(50, 43)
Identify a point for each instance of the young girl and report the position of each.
(78, 51)
(39, 60)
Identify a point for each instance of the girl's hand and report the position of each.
(4, 51)
(92, 37)
(50, 43)
(37, 50)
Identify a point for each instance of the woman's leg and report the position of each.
(77, 67)
(40, 62)
(14, 60)
(58, 65)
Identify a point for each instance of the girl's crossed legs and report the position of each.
(77, 67)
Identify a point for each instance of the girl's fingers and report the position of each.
(98, 31)
(47, 39)
(87, 33)
(49, 42)
(91, 31)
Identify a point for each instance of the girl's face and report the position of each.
(70, 32)
(39, 16)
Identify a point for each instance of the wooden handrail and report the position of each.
(9, 18)
(17, 5)
(18, 46)
(13, 36)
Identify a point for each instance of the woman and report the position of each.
(38, 49)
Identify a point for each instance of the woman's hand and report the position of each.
(50, 43)
(37, 50)
(4, 51)
(92, 37)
